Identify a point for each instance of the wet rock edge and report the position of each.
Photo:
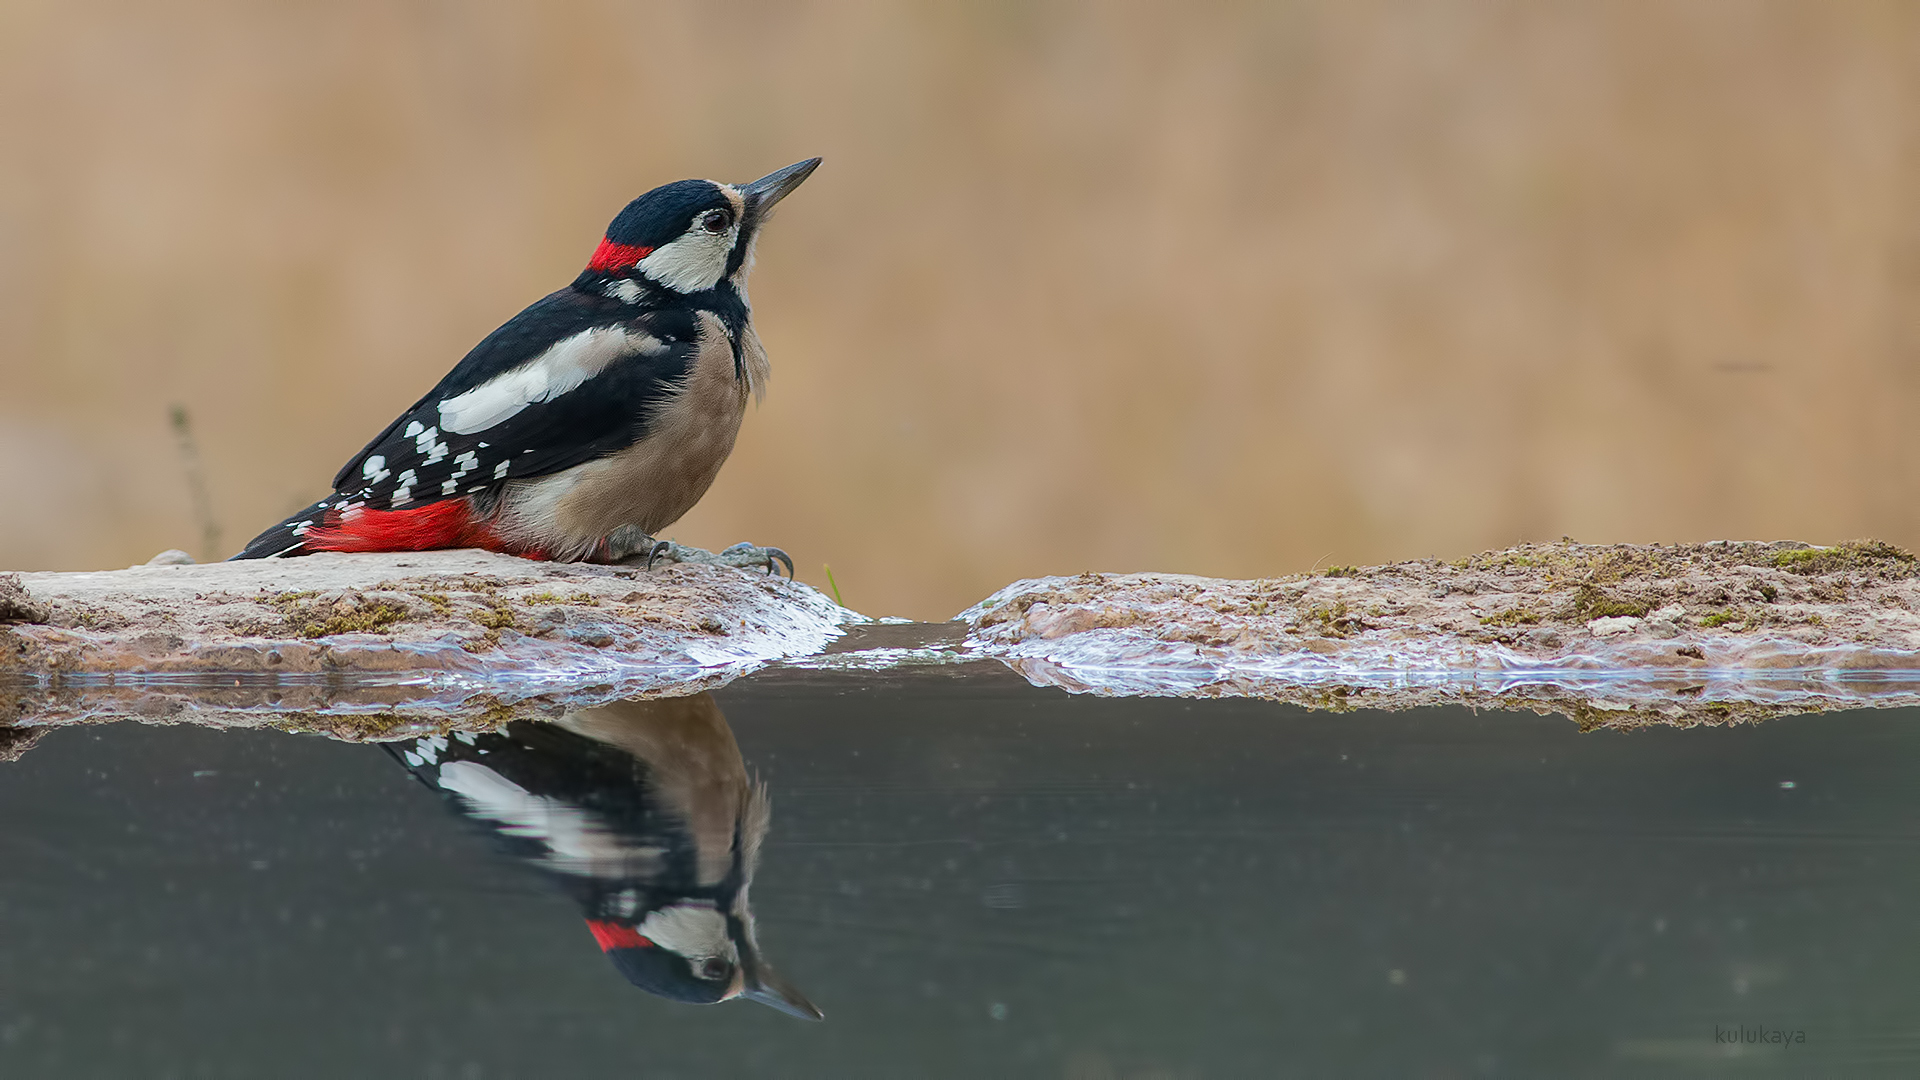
(382, 646)
(1615, 636)
(385, 645)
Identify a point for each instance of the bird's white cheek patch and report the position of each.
(693, 263)
(689, 929)
(563, 367)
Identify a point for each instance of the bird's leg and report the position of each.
(741, 555)
(627, 544)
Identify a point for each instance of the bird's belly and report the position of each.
(650, 484)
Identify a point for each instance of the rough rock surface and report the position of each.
(386, 635)
(376, 646)
(1617, 635)
(16, 605)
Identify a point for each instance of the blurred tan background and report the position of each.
(1220, 288)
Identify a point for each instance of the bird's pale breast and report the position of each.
(657, 480)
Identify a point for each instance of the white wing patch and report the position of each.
(575, 842)
(563, 367)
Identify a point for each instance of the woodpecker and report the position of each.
(643, 812)
(591, 420)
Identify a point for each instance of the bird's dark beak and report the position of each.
(764, 984)
(771, 188)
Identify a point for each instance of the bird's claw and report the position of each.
(767, 556)
(659, 548)
(740, 555)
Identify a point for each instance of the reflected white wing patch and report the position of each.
(563, 367)
(575, 842)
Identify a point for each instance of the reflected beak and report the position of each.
(767, 987)
(771, 188)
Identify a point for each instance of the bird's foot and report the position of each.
(627, 545)
(741, 555)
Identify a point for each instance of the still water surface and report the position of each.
(969, 877)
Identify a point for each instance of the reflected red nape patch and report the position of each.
(612, 256)
(616, 936)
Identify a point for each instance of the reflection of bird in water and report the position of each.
(644, 813)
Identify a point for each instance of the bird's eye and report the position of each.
(716, 221)
(713, 969)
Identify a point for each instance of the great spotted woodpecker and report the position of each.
(644, 813)
(591, 420)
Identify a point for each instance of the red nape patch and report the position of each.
(433, 525)
(612, 256)
(616, 936)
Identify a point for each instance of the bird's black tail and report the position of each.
(283, 540)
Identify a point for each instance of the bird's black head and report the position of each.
(690, 235)
(662, 969)
(697, 954)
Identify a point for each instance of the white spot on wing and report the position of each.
(375, 470)
(428, 442)
(563, 367)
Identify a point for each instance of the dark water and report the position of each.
(971, 877)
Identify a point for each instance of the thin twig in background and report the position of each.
(833, 584)
(196, 484)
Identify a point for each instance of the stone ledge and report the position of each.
(432, 629)
(1612, 635)
(377, 646)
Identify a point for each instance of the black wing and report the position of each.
(603, 794)
(416, 460)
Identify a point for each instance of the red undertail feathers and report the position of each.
(448, 524)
